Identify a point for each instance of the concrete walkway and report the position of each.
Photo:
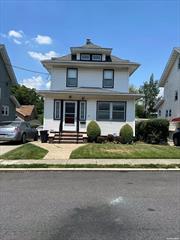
(6, 147)
(57, 151)
(93, 161)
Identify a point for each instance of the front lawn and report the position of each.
(26, 151)
(137, 151)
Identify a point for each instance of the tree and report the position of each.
(151, 90)
(133, 89)
(28, 96)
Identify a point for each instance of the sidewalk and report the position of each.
(92, 161)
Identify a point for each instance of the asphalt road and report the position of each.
(89, 205)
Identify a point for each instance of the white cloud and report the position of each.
(17, 41)
(40, 39)
(36, 82)
(16, 34)
(40, 56)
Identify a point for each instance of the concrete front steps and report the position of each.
(66, 137)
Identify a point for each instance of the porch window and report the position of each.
(111, 111)
(108, 78)
(72, 77)
(57, 109)
(82, 113)
(5, 110)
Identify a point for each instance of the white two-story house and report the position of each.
(89, 84)
(169, 105)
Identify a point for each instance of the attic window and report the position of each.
(96, 57)
(85, 57)
(73, 57)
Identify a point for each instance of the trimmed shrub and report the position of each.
(110, 138)
(153, 131)
(126, 134)
(93, 131)
(101, 139)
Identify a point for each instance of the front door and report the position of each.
(70, 116)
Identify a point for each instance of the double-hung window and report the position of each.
(5, 110)
(57, 109)
(72, 77)
(108, 78)
(82, 112)
(111, 111)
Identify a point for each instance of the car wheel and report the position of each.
(23, 138)
(176, 142)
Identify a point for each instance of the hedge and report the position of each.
(152, 131)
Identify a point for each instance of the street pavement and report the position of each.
(89, 205)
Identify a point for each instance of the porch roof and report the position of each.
(90, 92)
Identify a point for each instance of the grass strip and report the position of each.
(43, 165)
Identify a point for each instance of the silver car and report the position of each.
(17, 131)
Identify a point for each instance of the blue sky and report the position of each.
(141, 31)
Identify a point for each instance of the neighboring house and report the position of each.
(89, 84)
(169, 105)
(8, 102)
(26, 112)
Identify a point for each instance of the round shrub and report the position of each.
(126, 134)
(93, 131)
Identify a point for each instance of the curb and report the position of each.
(90, 169)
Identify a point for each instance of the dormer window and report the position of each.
(85, 57)
(96, 57)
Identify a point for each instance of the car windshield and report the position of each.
(9, 124)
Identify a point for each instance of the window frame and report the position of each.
(170, 112)
(85, 54)
(176, 96)
(5, 110)
(167, 113)
(103, 85)
(55, 101)
(85, 111)
(67, 85)
(179, 63)
(96, 55)
(111, 111)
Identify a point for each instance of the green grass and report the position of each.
(137, 151)
(43, 165)
(27, 151)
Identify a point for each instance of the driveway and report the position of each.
(89, 205)
(7, 146)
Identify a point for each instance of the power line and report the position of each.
(26, 69)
